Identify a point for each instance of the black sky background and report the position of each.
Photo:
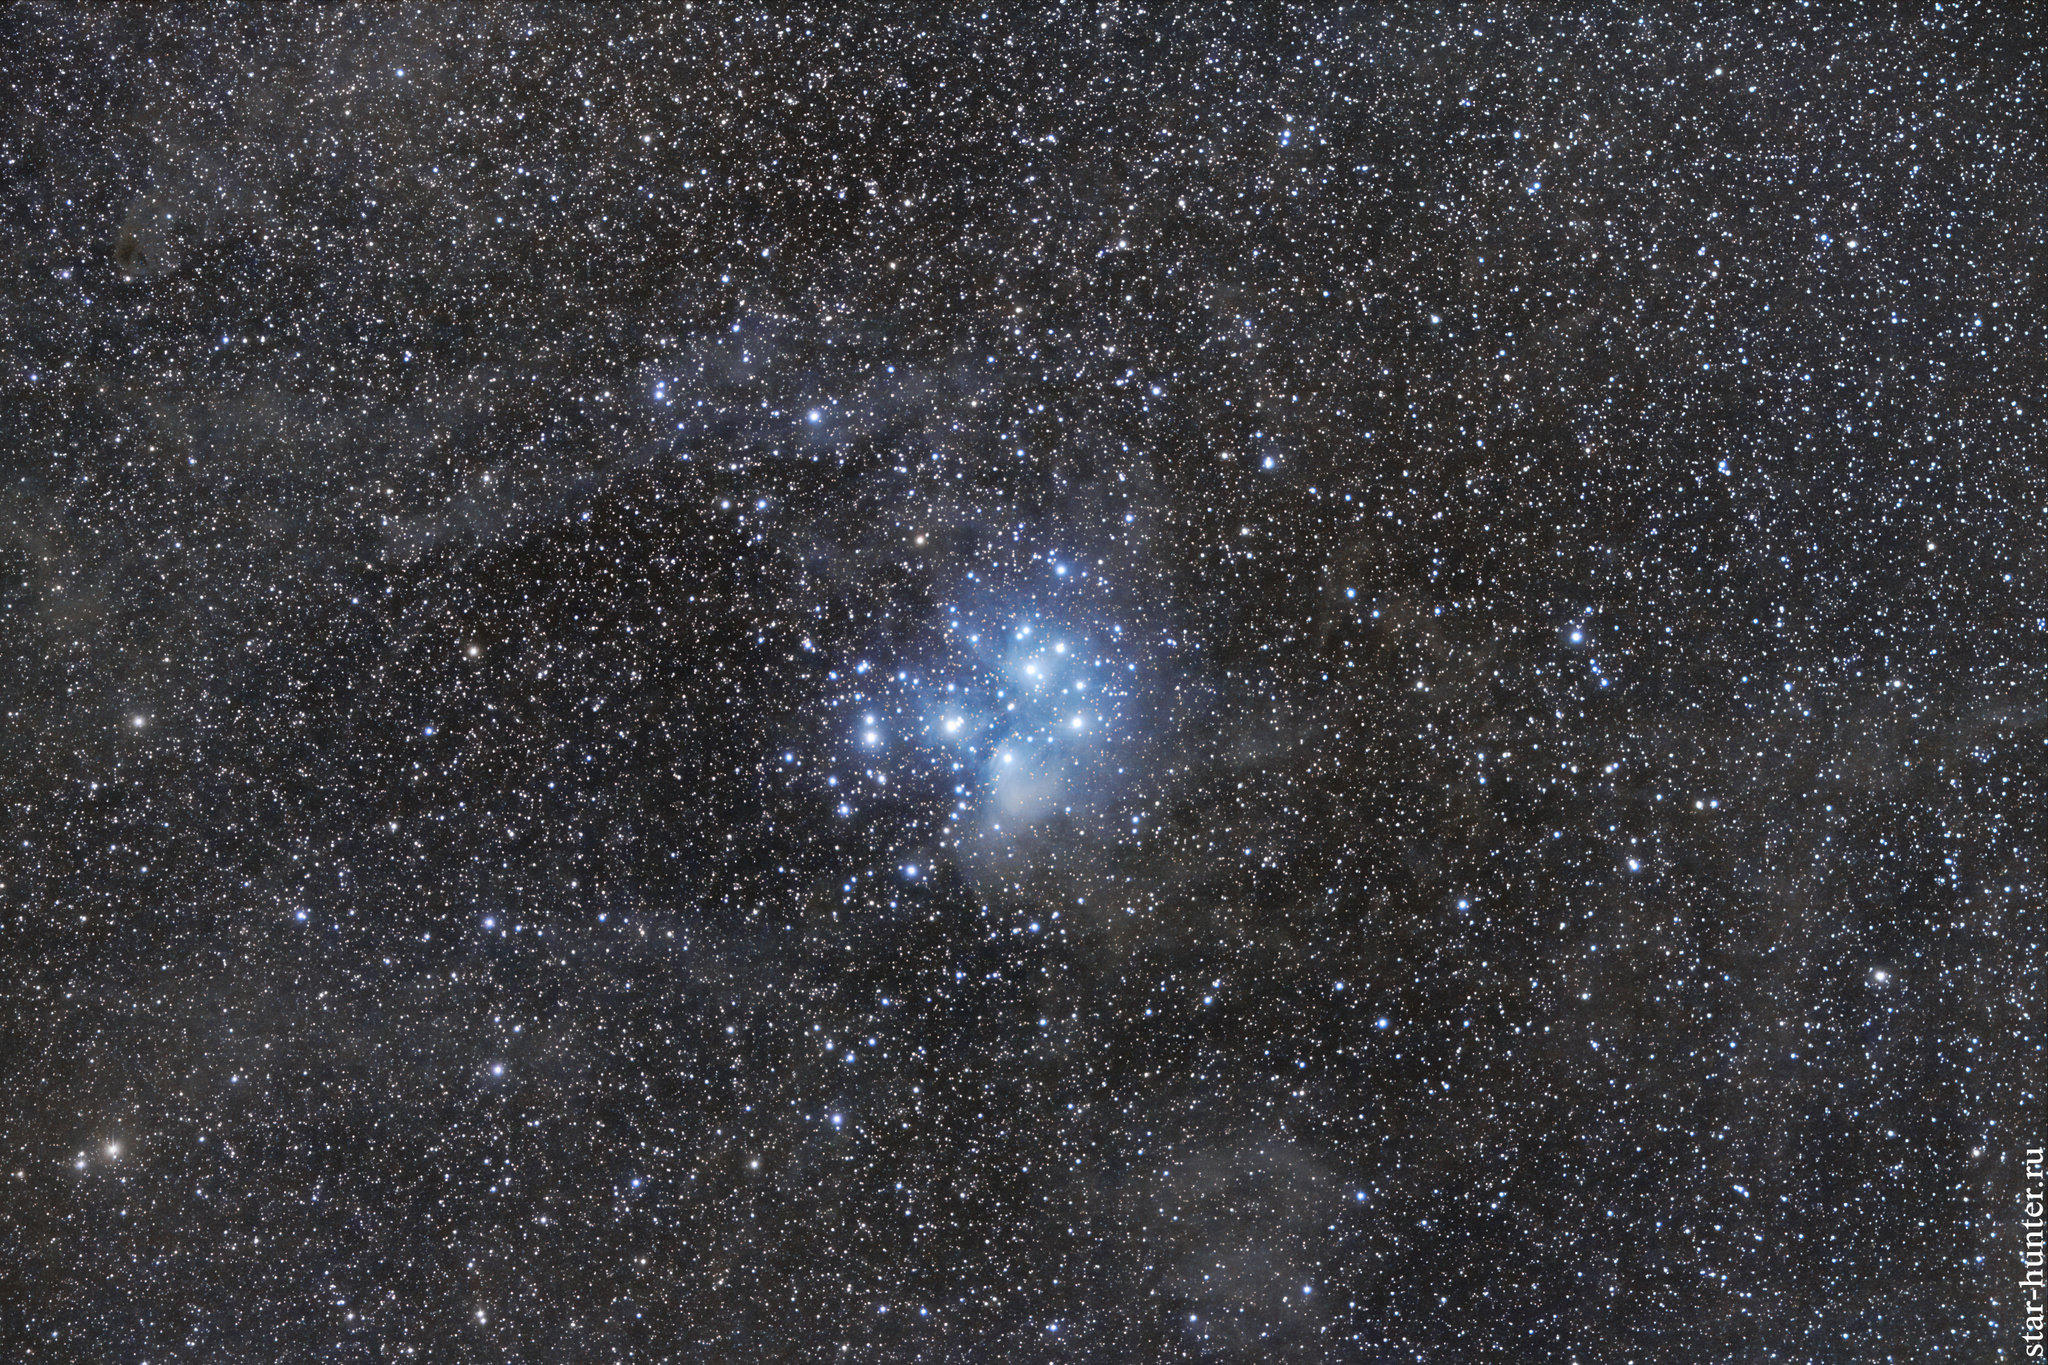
(1545, 506)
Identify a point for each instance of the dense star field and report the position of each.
(1091, 684)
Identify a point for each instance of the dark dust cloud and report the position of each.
(1080, 683)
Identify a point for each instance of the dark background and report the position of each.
(1556, 502)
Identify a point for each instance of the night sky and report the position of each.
(1079, 684)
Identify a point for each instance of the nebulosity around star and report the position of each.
(1020, 709)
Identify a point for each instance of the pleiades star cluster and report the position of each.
(1089, 682)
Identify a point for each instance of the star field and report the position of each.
(1236, 682)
